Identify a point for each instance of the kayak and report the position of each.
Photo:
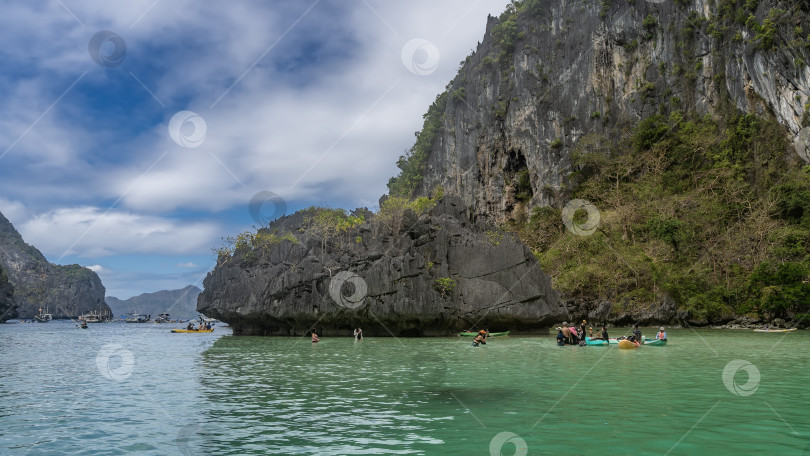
(626, 344)
(774, 330)
(588, 341)
(192, 331)
(655, 342)
(467, 333)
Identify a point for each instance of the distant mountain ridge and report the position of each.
(65, 291)
(180, 303)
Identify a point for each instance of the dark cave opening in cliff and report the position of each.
(516, 172)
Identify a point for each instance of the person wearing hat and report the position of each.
(481, 338)
(560, 337)
(662, 335)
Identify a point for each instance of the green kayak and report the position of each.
(655, 342)
(467, 333)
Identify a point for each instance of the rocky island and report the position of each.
(398, 274)
(677, 132)
(65, 291)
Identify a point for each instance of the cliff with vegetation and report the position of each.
(682, 122)
(415, 268)
(8, 307)
(64, 291)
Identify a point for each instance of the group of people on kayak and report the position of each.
(202, 327)
(573, 335)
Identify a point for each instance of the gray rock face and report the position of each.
(65, 291)
(429, 275)
(579, 71)
(8, 307)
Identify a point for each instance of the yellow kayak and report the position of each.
(192, 330)
(626, 344)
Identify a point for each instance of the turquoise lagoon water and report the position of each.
(118, 389)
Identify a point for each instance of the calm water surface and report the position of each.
(118, 389)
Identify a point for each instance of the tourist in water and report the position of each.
(358, 334)
(662, 335)
(560, 337)
(604, 332)
(637, 333)
(574, 335)
(567, 334)
(582, 330)
(480, 338)
(315, 337)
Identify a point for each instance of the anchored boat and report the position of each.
(43, 317)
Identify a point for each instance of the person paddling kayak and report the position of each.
(662, 335)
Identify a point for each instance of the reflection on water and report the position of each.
(221, 395)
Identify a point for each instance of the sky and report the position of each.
(135, 135)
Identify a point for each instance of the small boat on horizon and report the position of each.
(138, 318)
(96, 316)
(43, 317)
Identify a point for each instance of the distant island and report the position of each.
(179, 304)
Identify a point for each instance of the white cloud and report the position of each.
(97, 268)
(321, 118)
(90, 232)
(188, 265)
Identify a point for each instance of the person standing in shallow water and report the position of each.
(358, 334)
(560, 337)
(637, 333)
(315, 337)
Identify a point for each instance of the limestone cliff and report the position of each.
(8, 307)
(552, 77)
(65, 291)
(434, 274)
